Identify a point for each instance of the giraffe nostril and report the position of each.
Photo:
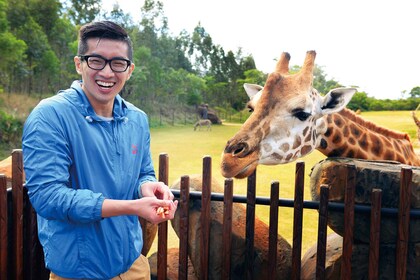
(240, 150)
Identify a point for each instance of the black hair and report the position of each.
(103, 30)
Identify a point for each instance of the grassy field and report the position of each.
(186, 149)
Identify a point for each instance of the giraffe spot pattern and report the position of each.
(306, 149)
(323, 144)
(285, 147)
(297, 142)
(277, 157)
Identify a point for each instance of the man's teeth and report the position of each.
(105, 84)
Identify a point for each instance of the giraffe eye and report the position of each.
(301, 115)
(250, 109)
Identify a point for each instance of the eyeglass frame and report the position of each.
(107, 61)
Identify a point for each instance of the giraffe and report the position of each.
(290, 119)
(417, 122)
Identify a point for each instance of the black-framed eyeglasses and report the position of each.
(97, 62)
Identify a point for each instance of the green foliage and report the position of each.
(415, 92)
(83, 11)
(10, 128)
(38, 40)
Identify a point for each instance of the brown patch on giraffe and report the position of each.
(351, 141)
(306, 149)
(355, 131)
(337, 137)
(267, 147)
(338, 120)
(277, 156)
(288, 157)
(346, 132)
(389, 155)
(285, 147)
(323, 144)
(308, 138)
(376, 145)
(305, 131)
(350, 154)
(363, 142)
(337, 152)
(297, 142)
(328, 132)
(313, 137)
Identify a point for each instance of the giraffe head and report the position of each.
(286, 120)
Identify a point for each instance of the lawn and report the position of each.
(186, 149)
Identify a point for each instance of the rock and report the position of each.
(172, 266)
(370, 175)
(149, 234)
(238, 244)
(360, 260)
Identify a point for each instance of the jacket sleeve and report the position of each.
(47, 161)
(147, 172)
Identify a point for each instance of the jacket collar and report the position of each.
(77, 96)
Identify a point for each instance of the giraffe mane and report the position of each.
(349, 114)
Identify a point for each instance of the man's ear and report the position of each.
(335, 100)
(78, 64)
(130, 71)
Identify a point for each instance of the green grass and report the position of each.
(186, 149)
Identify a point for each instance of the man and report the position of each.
(88, 167)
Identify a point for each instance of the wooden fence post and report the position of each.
(227, 228)
(322, 233)
(273, 230)
(298, 219)
(375, 232)
(163, 227)
(205, 217)
(183, 227)
(403, 223)
(250, 225)
(3, 227)
(349, 194)
(17, 195)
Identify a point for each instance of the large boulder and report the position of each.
(211, 114)
(238, 244)
(172, 264)
(149, 231)
(369, 175)
(360, 261)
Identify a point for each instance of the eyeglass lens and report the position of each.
(99, 63)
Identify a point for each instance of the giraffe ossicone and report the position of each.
(290, 119)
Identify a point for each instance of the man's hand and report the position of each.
(156, 189)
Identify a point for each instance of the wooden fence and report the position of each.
(21, 255)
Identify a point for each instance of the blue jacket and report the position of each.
(73, 160)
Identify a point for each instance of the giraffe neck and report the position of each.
(416, 120)
(348, 135)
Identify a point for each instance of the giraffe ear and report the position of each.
(336, 100)
(252, 90)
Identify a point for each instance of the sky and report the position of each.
(374, 45)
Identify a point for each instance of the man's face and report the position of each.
(101, 86)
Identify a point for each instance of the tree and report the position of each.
(83, 11)
(46, 13)
(415, 92)
(12, 49)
